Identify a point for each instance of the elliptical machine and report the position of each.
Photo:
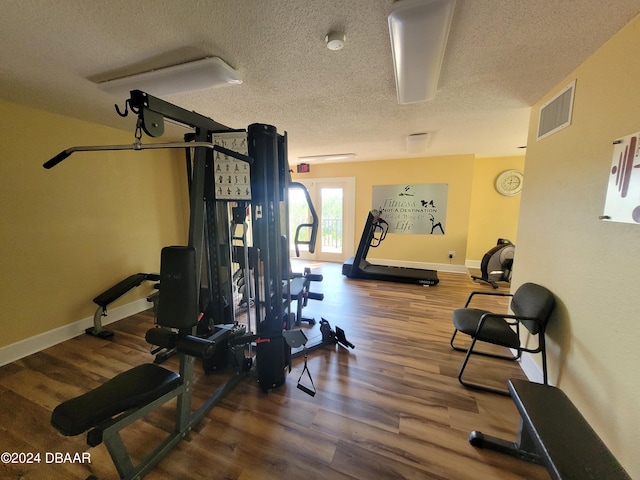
(497, 263)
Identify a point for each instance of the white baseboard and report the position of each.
(473, 263)
(441, 267)
(531, 368)
(28, 346)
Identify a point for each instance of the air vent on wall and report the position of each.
(556, 113)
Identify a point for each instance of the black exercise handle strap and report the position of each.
(307, 390)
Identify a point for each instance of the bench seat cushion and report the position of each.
(133, 388)
(297, 287)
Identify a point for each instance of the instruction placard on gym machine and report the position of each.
(232, 176)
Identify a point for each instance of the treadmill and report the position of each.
(375, 231)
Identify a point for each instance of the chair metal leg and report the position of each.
(476, 385)
(484, 354)
(452, 344)
(543, 351)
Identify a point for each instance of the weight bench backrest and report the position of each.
(178, 299)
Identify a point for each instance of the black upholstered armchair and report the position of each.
(531, 305)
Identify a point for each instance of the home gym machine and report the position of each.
(195, 281)
(375, 231)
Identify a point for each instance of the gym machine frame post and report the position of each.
(269, 214)
(146, 387)
(270, 184)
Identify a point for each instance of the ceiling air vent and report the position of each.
(556, 113)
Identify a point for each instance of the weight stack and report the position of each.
(271, 361)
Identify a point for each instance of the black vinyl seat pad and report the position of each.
(133, 388)
(495, 330)
(297, 287)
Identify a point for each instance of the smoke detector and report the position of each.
(335, 40)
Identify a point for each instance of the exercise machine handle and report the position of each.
(380, 228)
(140, 146)
(313, 225)
(57, 159)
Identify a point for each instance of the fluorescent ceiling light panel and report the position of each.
(419, 31)
(328, 158)
(204, 73)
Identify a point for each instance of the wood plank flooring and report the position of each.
(392, 408)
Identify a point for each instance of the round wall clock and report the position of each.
(509, 182)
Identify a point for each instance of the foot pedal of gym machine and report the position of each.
(104, 334)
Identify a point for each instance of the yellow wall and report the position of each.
(70, 232)
(456, 171)
(492, 215)
(476, 214)
(592, 266)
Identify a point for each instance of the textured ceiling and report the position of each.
(502, 56)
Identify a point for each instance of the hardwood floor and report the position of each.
(391, 408)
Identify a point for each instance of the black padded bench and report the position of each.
(554, 433)
(122, 287)
(111, 295)
(131, 389)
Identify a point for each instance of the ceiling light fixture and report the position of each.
(419, 31)
(328, 158)
(417, 143)
(185, 77)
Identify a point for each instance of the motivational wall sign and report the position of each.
(413, 209)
